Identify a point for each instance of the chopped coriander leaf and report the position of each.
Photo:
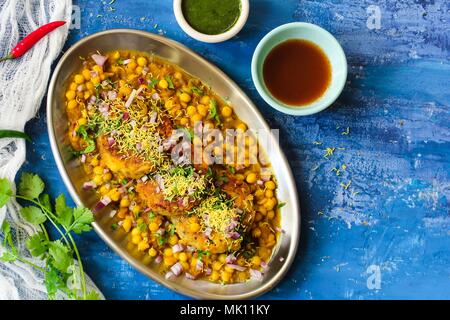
(153, 83)
(281, 205)
(197, 91)
(213, 112)
(114, 226)
(170, 82)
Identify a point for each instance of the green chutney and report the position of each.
(211, 16)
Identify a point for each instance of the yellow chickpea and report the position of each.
(216, 265)
(256, 261)
(98, 170)
(79, 79)
(107, 177)
(270, 214)
(97, 69)
(163, 84)
(203, 110)
(135, 232)
(141, 61)
(153, 226)
(136, 239)
(194, 227)
(251, 178)
(241, 126)
(269, 193)
(104, 189)
(173, 239)
(270, 185)
(270, 204)
(72, 104)
(222, 258)
(115, 55)
(196, 117)
(95, 81)
(70, 95)
(126, 225)
(183, 257)
(214, 276)
(98, 180)
(205, 100)
(124, 203)
(185, 97)
(152, 252)
(191, 110)
(132, 64)
(169, 261)
(225, 276)
(139, 70)
(136, 209)
(143, 245)
(184, 121)
(114, 194)
(227, 111)
(256, 233)
(168, 252)
(73, 86)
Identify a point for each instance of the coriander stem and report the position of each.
(80, 265)
(30, 264)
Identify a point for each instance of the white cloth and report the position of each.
(23, 83)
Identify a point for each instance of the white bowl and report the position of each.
(245, 8)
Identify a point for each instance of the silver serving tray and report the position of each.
(73, 174)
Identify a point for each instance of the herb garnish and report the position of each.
(59, 268)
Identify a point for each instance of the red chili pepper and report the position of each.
(30, 40)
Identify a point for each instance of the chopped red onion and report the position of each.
(112, 95)
(147, 210)
(264, 267)
(177, 268)
(139, 146)
(255, 275)
(101, 204)
(170, 275)
(112, 213)
(145, 70)
(111, 141)
(144, 178)
(158, 259)
(89, 185)
(83, 158)
(234, 235)
(208, 232)
(208, 272)
(190, 249)
(127, 61)
(126, 116)
(153, 117)
(199, 265)
(265, 177)
(236, 267)
(155, 96)
(260, 182)
(94, 74)
(230, 258)
(177, 248)
(160, 232)
(74, 133)
(278, 229)
(189, 276)
(281, 259)
(99, 59)
(141, 80)
(130, 98)
(80, 88)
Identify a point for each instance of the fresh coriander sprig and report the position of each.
(59, 268)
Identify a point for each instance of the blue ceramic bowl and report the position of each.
(317, 35)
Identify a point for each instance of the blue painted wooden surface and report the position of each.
(395, 214)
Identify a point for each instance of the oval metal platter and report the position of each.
(73, 174)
